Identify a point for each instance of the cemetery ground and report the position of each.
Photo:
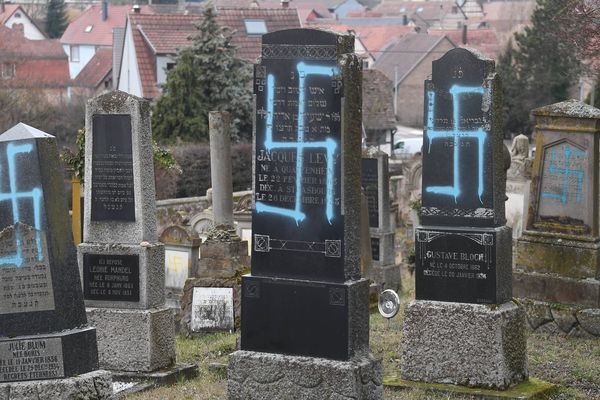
(573, 363)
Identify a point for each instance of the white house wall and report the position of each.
(86, 52)
(30, 30)
(161, 68)
(129, 77)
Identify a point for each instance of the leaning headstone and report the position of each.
(375, 179)
(518, 179)
(121, 261)
(557, 257)
(305, 310)
(181, 261)
(463, 328)
(45, 343)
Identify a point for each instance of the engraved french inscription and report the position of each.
(32, 359)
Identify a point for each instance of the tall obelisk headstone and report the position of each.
(121, 261)
(463, 249)
(43, 327)
(305, 317)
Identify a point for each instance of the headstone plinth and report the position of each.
(121, 261)
(375, 179)
(44, 338)
(305, 306)
(558, 255)
(463, 327)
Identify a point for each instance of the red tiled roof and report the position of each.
(9, 10)
(14, 45)
(38, 63)
(101, 33)
(484, 40)
(165, 34)
(95, 70)
(249, 45)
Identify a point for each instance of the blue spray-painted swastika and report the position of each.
(330, 146)
(456, 134)
(13, 196)
(566, 172)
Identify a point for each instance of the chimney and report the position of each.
(464, 34)
(1, 6)
(285, 3)
(136, 8)
(404, 19)
(104, 10)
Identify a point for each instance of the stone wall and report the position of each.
(562, 319)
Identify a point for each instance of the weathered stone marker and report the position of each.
(375, 181)
(121, 260)
(305, 296)
(43, 327)
(463, 249)
(558, 256)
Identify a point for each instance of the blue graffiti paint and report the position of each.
(12, 150)
(456, 134)
(330, 146)
(566, 172)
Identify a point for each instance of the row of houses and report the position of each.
(132, 48)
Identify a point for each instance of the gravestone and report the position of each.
(181, 261)
(463, 327)
(375, 179)
(45, 343)
(305, 317)
(557, 257)
(212, 309)
(121, 261)
(223, 255)
(518, 180)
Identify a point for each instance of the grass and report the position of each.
(572, 363)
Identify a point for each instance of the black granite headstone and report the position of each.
(111, 277)
(370, 184)
(112, 169)
(41, 303)
(462, 250)
(297, 222)
(305, 260)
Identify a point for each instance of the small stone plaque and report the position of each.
(370, 184)
(32, 359)
(375, 249)
(111, 277)
(456, 265)
(212, 309)
(112, 169)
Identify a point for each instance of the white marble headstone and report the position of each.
(212, 309)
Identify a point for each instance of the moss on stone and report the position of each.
(530, 389)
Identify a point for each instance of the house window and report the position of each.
(74, 53)
(17, 15)
(88, 28)
(255, 26)
(7, 71)
(454, 10)
(170, 66)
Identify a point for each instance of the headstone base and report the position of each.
(257, 376)
(134, 340)
(556, 289)
(464, 344)
(96, 385)
(305, 318)
(48, 356)
(165, 376)
(553, 253)
(149, 286)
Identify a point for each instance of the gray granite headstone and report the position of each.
(43, 326)
(121, 261)
(463, 249)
